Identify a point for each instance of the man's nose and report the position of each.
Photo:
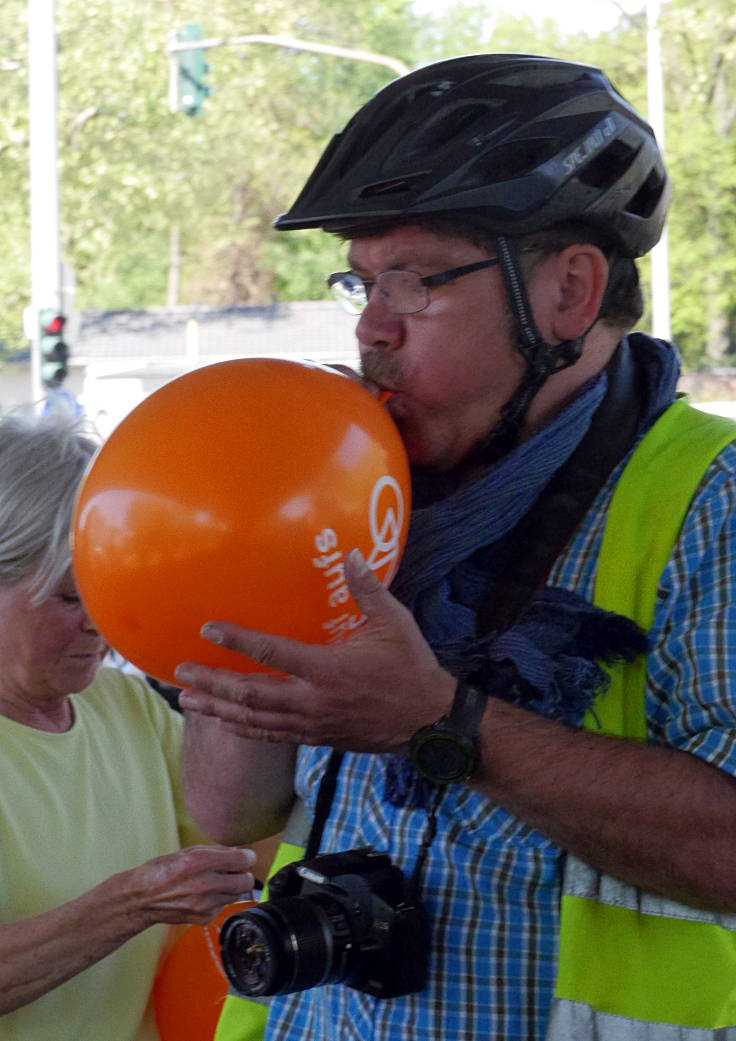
(378, 326)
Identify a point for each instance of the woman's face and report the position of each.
(47, 650)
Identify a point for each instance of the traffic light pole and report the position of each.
(46, 275)
(175, 47)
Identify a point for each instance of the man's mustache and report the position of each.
(382, 368)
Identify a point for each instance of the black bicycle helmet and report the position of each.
(529, 141)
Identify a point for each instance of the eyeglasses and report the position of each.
(403, 292)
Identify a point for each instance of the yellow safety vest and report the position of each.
(633, 965)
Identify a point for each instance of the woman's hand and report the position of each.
(189, 886)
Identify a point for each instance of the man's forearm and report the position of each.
(237, 790)
(653, 817)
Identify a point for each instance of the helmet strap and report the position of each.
(542, 358)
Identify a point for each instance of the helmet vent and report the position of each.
(394, 186)
(434, 89)
(609, 166)
(353, 153)
(649, 196)
(453, 127)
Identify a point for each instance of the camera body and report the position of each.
(337, 918)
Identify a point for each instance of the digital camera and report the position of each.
(338, 918)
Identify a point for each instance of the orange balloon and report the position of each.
(191, 984)
(233, 493)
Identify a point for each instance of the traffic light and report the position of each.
(192, 71)
(54, 352)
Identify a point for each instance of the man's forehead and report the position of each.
(408, 246)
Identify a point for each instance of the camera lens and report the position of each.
(285, 946)
(250, 964)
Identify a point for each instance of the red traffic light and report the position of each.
(54, 325)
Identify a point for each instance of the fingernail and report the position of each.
(250, 856)
(182, 673)
(212, 633)
(358, 562)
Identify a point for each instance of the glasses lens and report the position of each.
(349, 291)
(402, 291)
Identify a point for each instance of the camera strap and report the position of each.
(325, 795)
(412, 893)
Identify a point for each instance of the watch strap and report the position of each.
(468, 706)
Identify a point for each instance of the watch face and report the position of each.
(444, 757)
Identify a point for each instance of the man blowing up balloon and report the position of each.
(511, 842)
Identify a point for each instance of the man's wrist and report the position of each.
(446, 751)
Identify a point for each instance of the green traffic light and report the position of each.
(192, 70)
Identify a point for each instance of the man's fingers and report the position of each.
(259, 707)
(275, 652)
(257, 725)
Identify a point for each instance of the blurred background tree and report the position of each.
(161, 208)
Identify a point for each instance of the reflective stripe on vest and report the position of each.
(632, 965)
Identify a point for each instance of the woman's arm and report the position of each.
(186, 887)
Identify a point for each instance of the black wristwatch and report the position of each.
(445, 752)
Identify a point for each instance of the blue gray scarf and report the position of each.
(459, 540)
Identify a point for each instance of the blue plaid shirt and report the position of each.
(491, 884)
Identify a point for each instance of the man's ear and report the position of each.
(580, 277)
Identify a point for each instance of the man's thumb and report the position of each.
(363, 584)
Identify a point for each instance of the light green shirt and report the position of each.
(75, 808)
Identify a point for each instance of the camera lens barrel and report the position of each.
(285, 946)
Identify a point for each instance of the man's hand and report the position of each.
(368, 693)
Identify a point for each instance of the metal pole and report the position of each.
(173, 73)
(292, 43)
(660, 254)
(46, 279)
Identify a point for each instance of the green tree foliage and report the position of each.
(146, 194)
(699, 41)
(131, 171)
(14, 239)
